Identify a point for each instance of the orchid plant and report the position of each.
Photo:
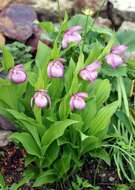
(61, 105)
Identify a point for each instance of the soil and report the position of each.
(97, 172)
(12, 164)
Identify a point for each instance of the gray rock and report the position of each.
(125, 8)
(111, 179)
(16, 21)
(94, 5)
(103, 22)
(49, 5)
(127, 26)
(4, 138)
(6, 124)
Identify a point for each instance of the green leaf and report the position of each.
(32, 128)
(47, 26)
(48, 176)
(102, 119)
(55, 51)
(108, 47)
(124, 119)
(105, 31)
(29, 159)
(62, 165)
(71, 138)
(51, 154)
(8, 60)
(80, 19)
(127, 38)
(89, 112)
(69, 74)
(54, 132)
(89, 143)
(75, 82)
(2, 183)
(41, 80)
(123, 187)
(43, 55)
(101, 90)
(28, 123)
(56, 89)
(77, 117)
(120, 71)
(23, 181)
(101, 154)
(27, 141)
(13, 93)
(94, 53)
(64, 108)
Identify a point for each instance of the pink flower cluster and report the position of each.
(17, 74)
(115, 58)
(55, 69)
(71, 35)
(90, 73)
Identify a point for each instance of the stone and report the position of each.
(103, 22)
(93, 5)
(16, 22)
(111, 179)
(50, 5)
(125, 8)
(4, 138)
(6, 124)
(2, 39)
(4, 3)
(126, 25)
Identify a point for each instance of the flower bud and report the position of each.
(41, 99)
(71, 35)
(56, 69)
(114, 60)
(119, 50)
(17, 74)
(90, 73)
(77, 101)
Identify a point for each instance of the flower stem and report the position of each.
(85, 31)
(124, 96)
(119, 93)
(98, 13)
(59, 11)
(37, 113)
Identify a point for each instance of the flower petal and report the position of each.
(94, 66)
(74, 29)
(82, 94)
(119, 50)
(114, 60)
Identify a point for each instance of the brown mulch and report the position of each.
(12, 164)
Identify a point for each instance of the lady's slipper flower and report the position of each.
(114, 60)
(90, 73)
(17, 74)
(55, 68)
(119, 50)
(71, 35)
(41, 99)
(77, 101)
